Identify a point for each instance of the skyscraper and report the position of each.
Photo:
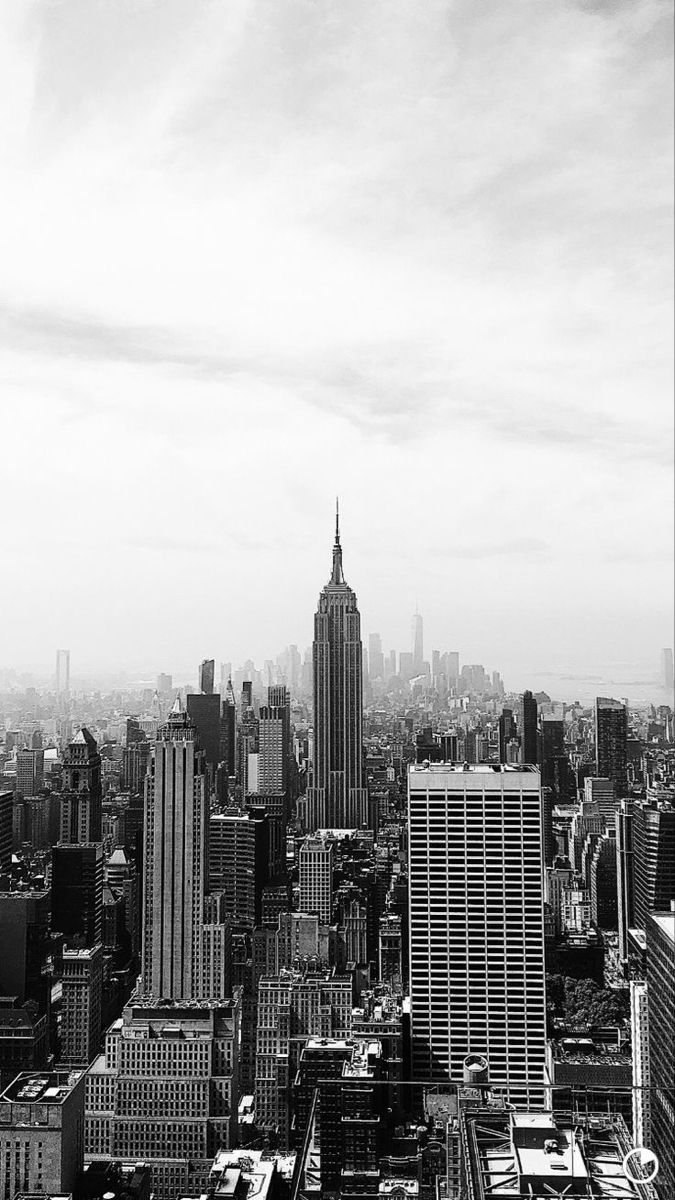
(77, 891)
(337, 798)
(418, 642)
(528, 732)
(375, 657)
(81, 797)
(476, 923)
(30, 766)
(175, 857)
(63, 673)
(660, 931)
(207, 672)
(611, 738)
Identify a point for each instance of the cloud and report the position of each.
(254, 254)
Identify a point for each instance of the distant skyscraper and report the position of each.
(375, 657)
(29, 771)
(611, 738)
(528, 732)
(81, 798)
(63, 673)
(207, 673)
(476, 923)
(667, 671)
(506, 732)
(337, 798)
(418, 642)
(175, 857)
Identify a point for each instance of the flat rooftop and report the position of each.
(41, 1087)
(666, 923)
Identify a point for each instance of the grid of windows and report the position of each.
(476, 924)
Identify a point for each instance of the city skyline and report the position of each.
(276, 283)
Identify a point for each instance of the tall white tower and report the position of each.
(476, 923)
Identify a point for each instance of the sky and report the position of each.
(255, 254)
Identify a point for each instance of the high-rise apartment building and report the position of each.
(337, 798)
(660, 936)
(82, 989)
(81, 796)
(476, 922)
(175, 857)
(529, 746)
(63, 674)
(611, 743)
(316, 878)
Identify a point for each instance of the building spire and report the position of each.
(337, 576)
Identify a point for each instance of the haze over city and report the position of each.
(254, 256)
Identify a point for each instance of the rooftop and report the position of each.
(41, 1087)
(523, 1155)
(457, 768)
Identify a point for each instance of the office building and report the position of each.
(624, 877)
(24, 935)
(653, 857)
(175, 858)
(529, 747)
(23, 1039)
(337, 798)
(77, 892)
(42, 1134)
(165, 1091)
(611, 743)
(529, 1155)
(6, 829)
(293, 1007)
(121, 875)
(239, 858)
(476, 922)
(507, 731)
(274, 742)
(164, 683)
(316, 878)
(81, 796)
(660, 936)
(639, 1029)
(602, 882)
(207, 675)
(601, 792)
(82, 990)
(30, 767)
(204, 712)
(63, 674)
(228, 719)
(375, 657)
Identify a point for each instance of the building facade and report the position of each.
(476, 922)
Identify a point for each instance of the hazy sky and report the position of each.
(257, 252)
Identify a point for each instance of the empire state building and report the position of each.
(337, 799)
